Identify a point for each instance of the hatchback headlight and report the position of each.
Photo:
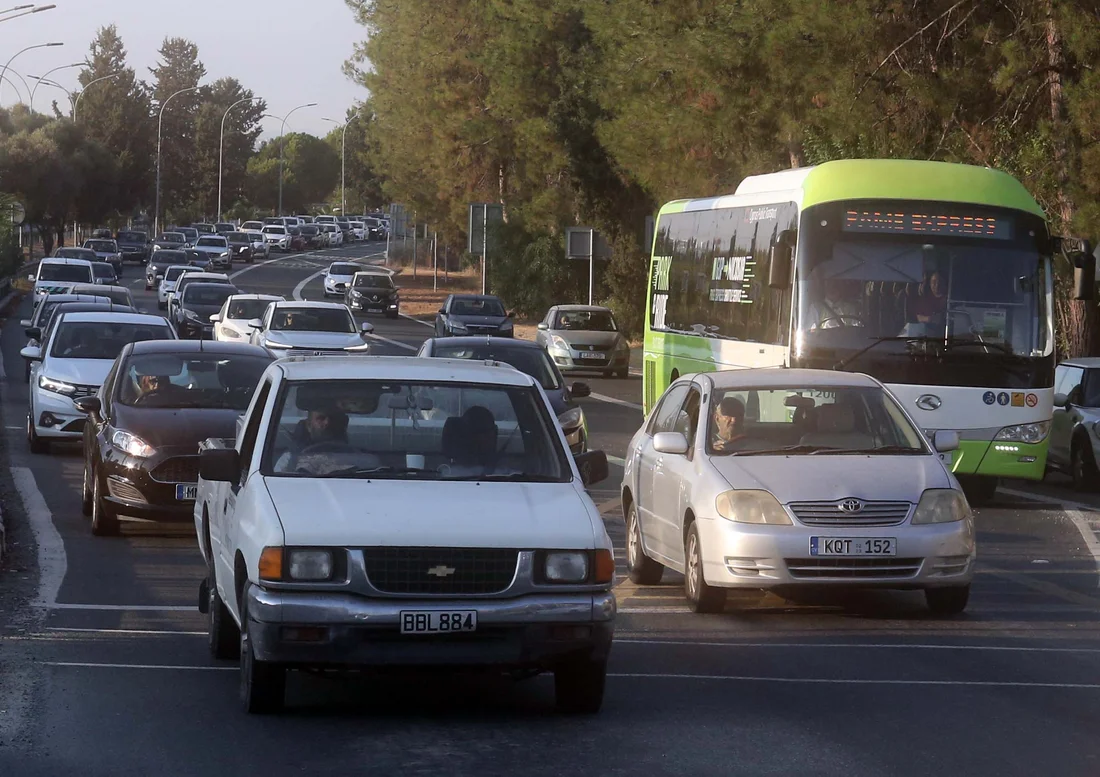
(941, 505)
(751, 507)
(310, 565)
(558, 342)
(567, 567)
(1027, 433)
(571, 418)
(56, 386)
(132, 444)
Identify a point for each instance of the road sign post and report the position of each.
(586, 243)
(481, 215)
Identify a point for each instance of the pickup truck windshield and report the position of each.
(190, 380)
(102, 339)
(132, 237)
(411, 430)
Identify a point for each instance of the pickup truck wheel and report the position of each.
(579, 686)
(224, 636)
(263, 684)
(104, 518)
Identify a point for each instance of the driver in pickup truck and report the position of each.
(321, 425)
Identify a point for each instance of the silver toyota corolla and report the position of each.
(762, 478)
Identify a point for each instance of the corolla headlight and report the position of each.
(571, 418)
(1027, 433)
(132, 444)
(56, 386)
(751, 506)
(941, 505)
(566, 567)
(558, 342)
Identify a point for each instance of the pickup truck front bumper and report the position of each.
(343, 631)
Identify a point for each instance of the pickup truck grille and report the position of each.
(178, 469)
(444, 571)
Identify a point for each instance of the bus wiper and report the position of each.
(879, 341)
(960, 342)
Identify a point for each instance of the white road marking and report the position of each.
(850, 681)
(297, 293)
(648, 610)
(52, 562)
(851, 645)
(615, 401)
(395, 343)
(616, 460)
(125, 607)
(1087, 527)
(140, 632)
(178, 667)
(417, 320)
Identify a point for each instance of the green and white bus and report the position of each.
(934, 278)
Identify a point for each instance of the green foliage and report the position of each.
(531, 271)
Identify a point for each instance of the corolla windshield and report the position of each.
(477, 307)
(586, 321)
(248, 309)
(374, 282)
(102, 339)
(63, 272)
(804, 421)
(532, 361)
(312, 320)
(205, 380)
(414, 430)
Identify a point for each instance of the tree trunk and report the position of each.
(1079, 320)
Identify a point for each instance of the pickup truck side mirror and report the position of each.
(592, 466)
(220, 465)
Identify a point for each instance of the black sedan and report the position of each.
(197, 303)
(141, 441)
(473, 314)
(530, 358)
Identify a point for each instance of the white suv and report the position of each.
(277, 237)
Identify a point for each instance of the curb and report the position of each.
(5, 303)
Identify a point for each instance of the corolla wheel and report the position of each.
(640, 568)
(702, 598)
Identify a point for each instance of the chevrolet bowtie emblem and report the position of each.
(441, 571)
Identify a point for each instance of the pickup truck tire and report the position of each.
(579, 686)
(224, 636)
(104, 518)
(263, 684)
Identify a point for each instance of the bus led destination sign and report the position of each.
(923, 222)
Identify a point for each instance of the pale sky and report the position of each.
(289, 52)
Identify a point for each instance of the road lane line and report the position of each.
(428, 324)
(172, 667)
(650, 610)
(851, 681)
(406, 346)
(616, 460)
(846, 645)
(141, 632)
(124, 607)
(52, 562)
(614, 401)
(1075, 511)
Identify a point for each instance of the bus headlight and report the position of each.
(1026, 433)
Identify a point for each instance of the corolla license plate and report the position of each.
(438, 621)
(853, 546)
(591, 355)
(187, 492)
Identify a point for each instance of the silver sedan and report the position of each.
(584, 338)
(773, 478)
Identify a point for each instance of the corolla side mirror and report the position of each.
(256, 324)
(670, 442)
(946, 441)
(440, 312)
(579, 389)
(89, 405)
(1060, 399)
(593, 467)
(544, 326)
(32, 352)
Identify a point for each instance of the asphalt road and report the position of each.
(104, 670)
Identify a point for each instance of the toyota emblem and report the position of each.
(929, 402)
(851, 506)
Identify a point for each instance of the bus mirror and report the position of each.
(1079, 253)
(779, 266)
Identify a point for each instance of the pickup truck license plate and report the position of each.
(437, 621)
(187, 492)
(591, 355)
(853, 546)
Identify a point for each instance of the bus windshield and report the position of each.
(942, 308)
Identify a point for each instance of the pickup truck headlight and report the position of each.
(941, 505)
(1026, 433)
(56, 386)
(132, 444)
(751, 506)
(567, 567)
(309, 565)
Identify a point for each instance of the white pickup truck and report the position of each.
(390, 511)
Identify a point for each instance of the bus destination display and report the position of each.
(898, 222)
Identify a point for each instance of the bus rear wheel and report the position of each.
(979, 490)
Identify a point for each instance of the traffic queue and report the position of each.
(229, 402)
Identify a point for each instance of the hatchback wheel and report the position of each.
(104, 518)
(86, 493)
(947, 601)
(36, 443)
(701, 597)
(640, 568)
(1083, 468)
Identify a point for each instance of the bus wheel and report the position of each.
(979, 490)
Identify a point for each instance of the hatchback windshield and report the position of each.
(476, 307)
(437, 431)
(102, 246)
(238, 237)
(64, 272)
(204, 294)
(312, 320)
(171, 237)
(102, 339)
(162, 259)
(373, 282)
(190, 380)
(103, 270)
(214, 242)
(586, 321)
(172, 273)
(793, 421)
(343, 269)
(117, 294)
(248, 309)
(532, 361)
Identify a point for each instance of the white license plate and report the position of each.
(853, 546)
(437, 621)
(591, 355)
(187, 492)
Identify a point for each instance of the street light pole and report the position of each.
(53, 70)
(281, 130)
(40, 9)
(16, 54)
(76, 103)
(221, 149)
(160, 126)
(343, 159)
